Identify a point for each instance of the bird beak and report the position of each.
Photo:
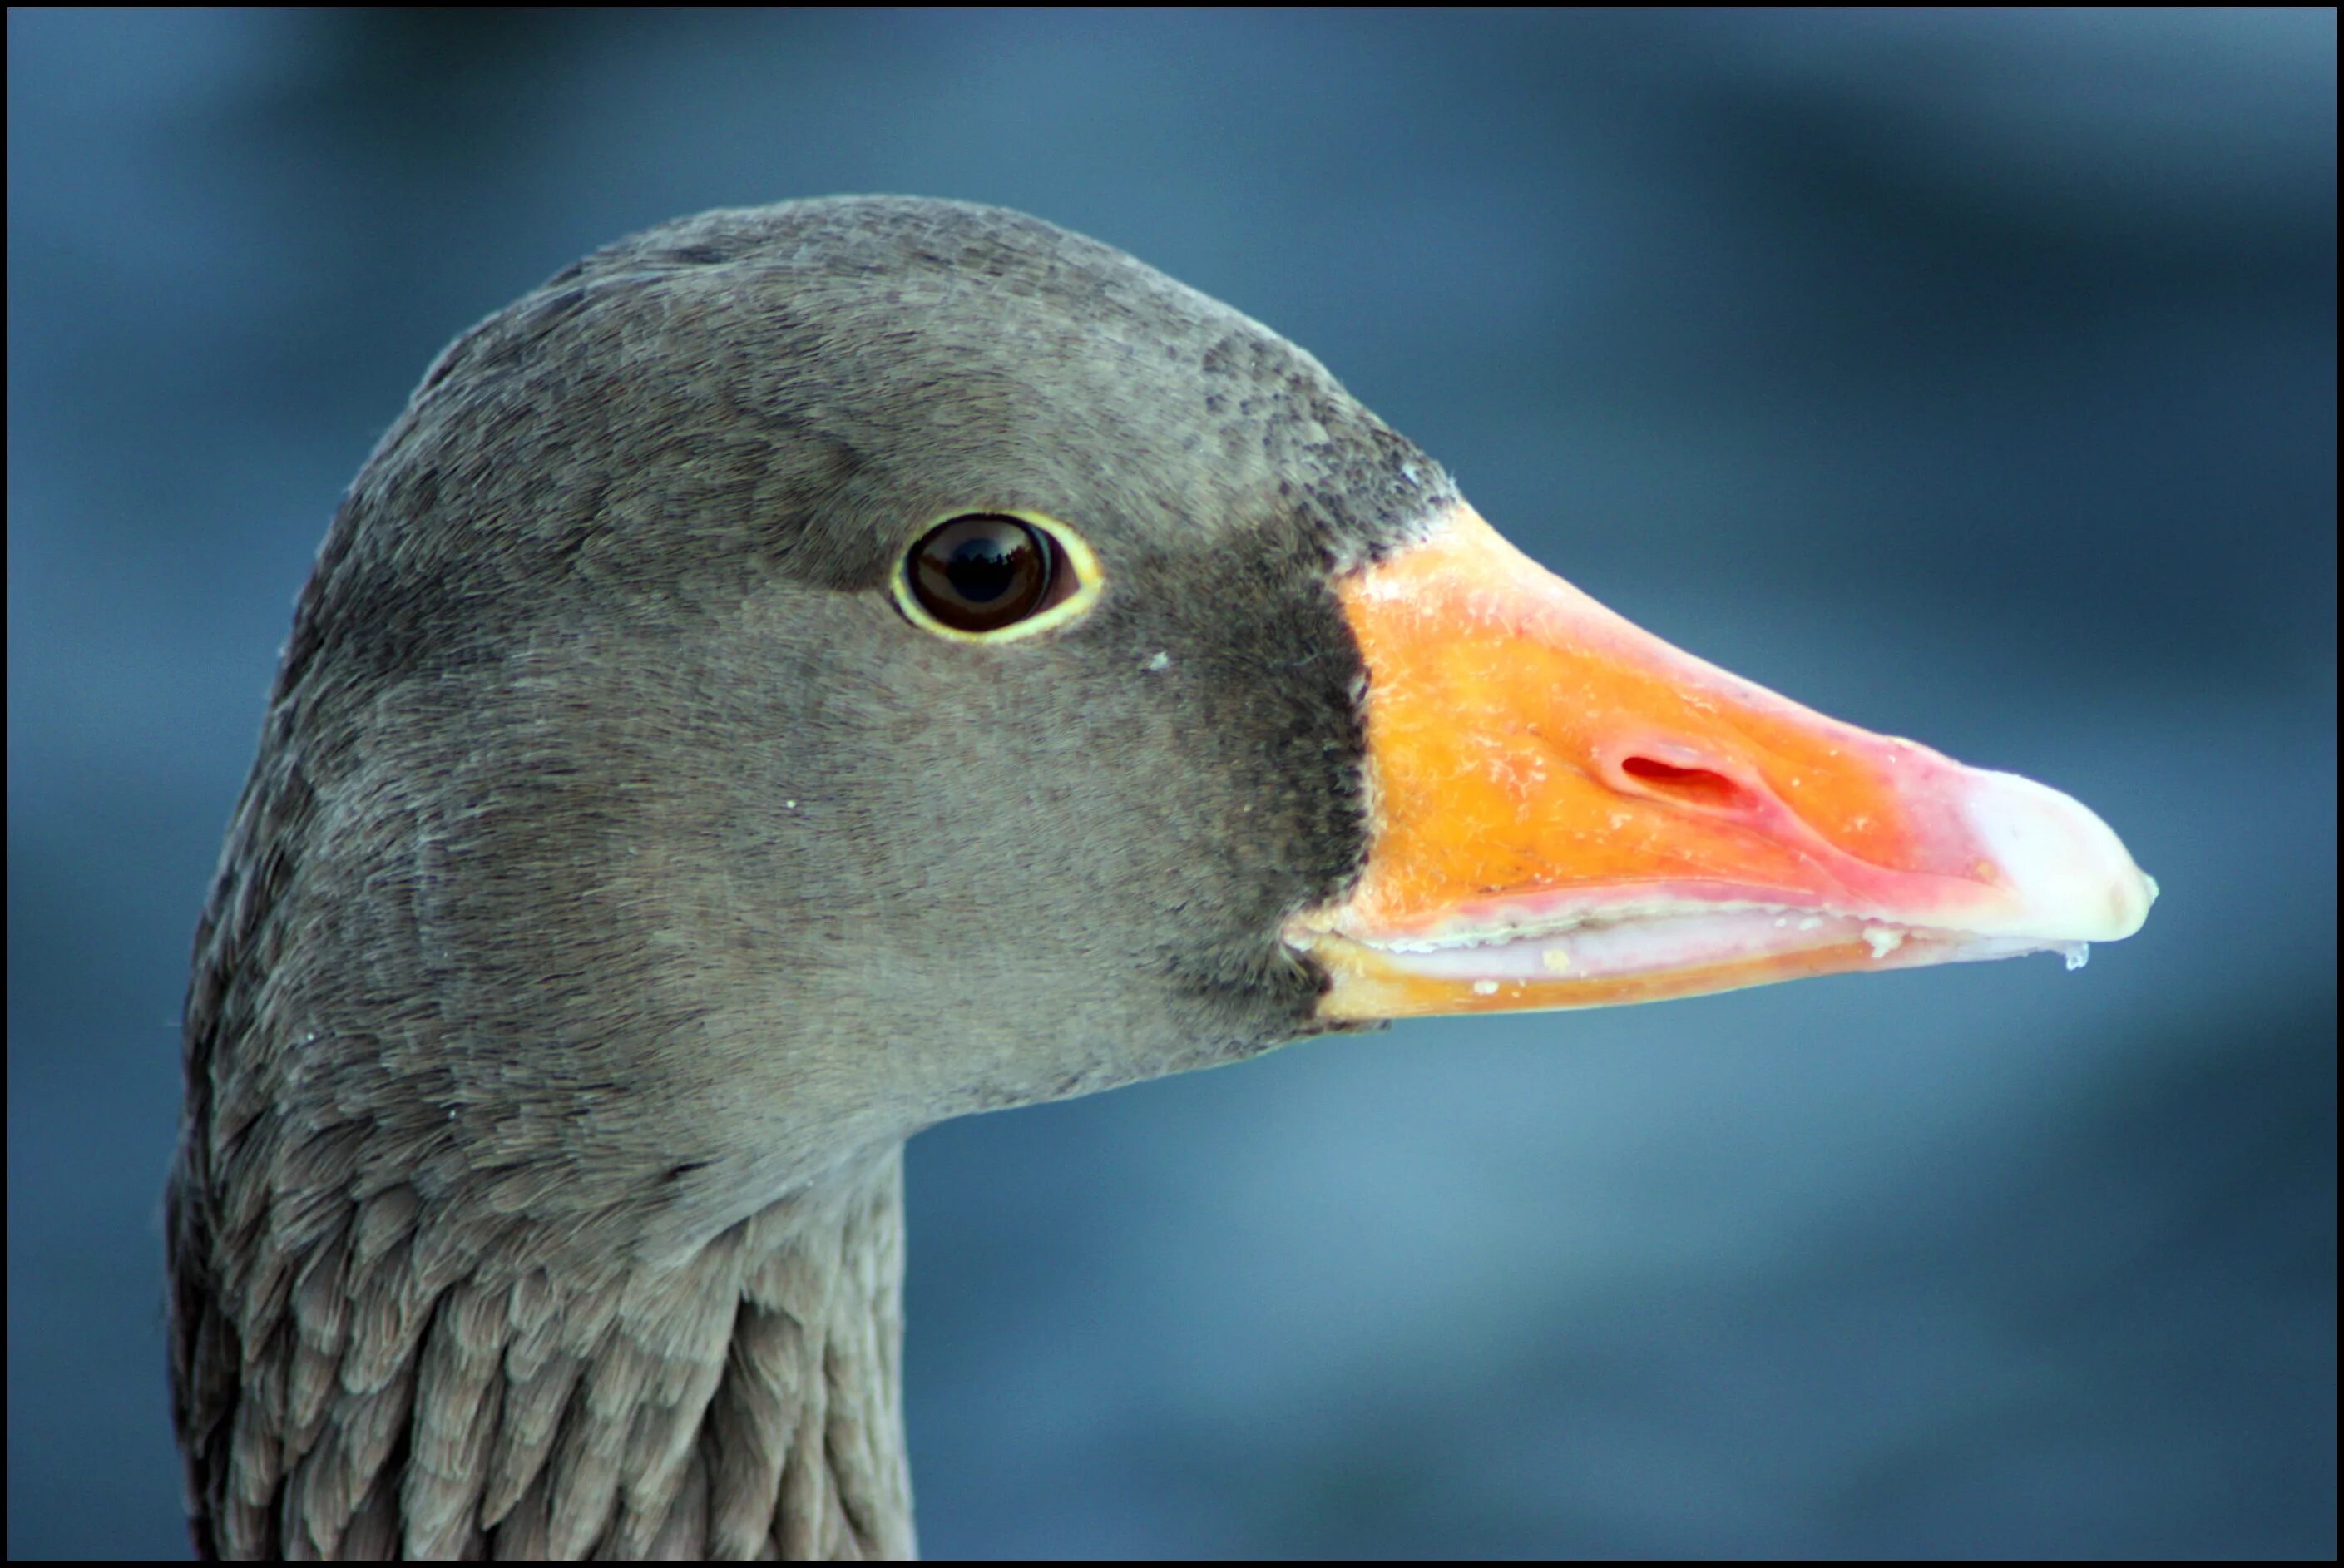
(1567, 812)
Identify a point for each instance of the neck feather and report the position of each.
(387, 1395)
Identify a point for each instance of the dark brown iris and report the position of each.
(983, 572)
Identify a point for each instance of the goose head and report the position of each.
(807, 673)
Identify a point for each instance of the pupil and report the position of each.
(983, 568)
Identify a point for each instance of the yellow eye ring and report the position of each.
(995, 576)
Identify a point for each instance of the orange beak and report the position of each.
(1568, 812)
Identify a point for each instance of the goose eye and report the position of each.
(981, 574)
(989, 574)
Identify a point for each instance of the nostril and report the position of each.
(1692, 786)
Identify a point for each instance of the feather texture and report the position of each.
(742, 1402)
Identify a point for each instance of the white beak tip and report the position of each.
(2069, 877)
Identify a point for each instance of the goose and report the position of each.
(808, 672)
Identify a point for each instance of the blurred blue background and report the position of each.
(1966, 375)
